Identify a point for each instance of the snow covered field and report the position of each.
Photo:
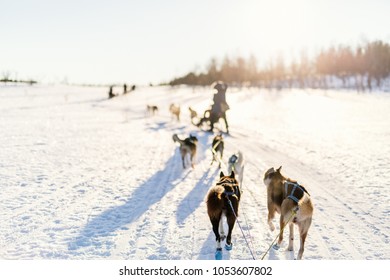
(84, 177)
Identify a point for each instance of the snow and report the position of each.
(83, 177)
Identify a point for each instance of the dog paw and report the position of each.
(276, 246)
(228, 247)
(218, 254)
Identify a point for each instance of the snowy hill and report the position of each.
(84, 177)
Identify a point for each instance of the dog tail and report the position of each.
(176, 138)
(215, 202)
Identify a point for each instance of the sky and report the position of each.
(150, 41)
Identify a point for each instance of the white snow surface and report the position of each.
(83, 177)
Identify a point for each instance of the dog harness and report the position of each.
(233, 160)
(236, 189)
(295, 186)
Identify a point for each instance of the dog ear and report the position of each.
(278, 170)
(270, 173)
(221, 174)
(232, 174)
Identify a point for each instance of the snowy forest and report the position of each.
(362, 67)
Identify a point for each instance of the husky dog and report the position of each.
(175, 111)
(151, 109)
(218, 147)
(237, 163)
(188, 146)
(223, 200)
(193, 115)
(292, 202)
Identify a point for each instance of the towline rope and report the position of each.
(293, 213)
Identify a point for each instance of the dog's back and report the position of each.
(190, 143)
(188, 146)
(175, 110)
(218, 144)
(215, 200)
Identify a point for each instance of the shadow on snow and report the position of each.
(147, 194)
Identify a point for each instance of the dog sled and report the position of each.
(210, 119)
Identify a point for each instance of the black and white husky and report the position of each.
(236, 163)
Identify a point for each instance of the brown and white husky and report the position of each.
(292, 202)
(223, 200)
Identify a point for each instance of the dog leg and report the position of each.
(226, 123)
(212, 161)
(302, 246)
(215, 158)
(291, 238)
(282, 224)
(303, 229)
(221, 157)
(221, 229)
(183, 161)
(241, 175)
(215, 221)
(231, 219)
(271, 215)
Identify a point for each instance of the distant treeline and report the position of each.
(361, 67)
(31, 82)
